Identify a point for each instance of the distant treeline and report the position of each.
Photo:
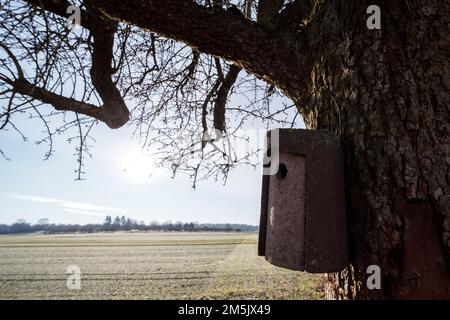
(122, 224)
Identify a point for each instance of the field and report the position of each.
(147, 266)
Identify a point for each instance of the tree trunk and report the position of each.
(387, 94)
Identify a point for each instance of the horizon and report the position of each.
(158, 223)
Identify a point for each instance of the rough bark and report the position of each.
(386, 92)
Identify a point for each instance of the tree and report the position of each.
(108, 221)
(107, 224)
(20, 226)
(117, 222)
(385, 92)
(44, 221)
(154, 224)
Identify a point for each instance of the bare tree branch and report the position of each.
(222, 95)
(114, 111)
(24, 87)
(216, 31)
(172, 67)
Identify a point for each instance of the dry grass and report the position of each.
(147, 266)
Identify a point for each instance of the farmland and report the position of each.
(147, 266)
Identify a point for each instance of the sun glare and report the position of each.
(137, 166)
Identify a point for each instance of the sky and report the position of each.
(117, 183)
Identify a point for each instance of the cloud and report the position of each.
(89, 213)
(68, 206)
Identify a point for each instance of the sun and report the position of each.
(137, 166)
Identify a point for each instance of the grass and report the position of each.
(147, 266)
